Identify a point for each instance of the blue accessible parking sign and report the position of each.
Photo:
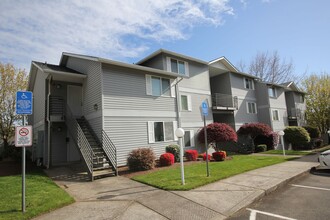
(24, 103)
(205, 108)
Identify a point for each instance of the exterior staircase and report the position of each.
(102, 165)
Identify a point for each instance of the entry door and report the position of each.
(74, 100)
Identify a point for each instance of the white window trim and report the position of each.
(247, 108)
(189, 103)
(151, 131)
(252, 84)
(169, 69)
(192, 138)
(278, 114)
(149, 86)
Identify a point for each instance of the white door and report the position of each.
(74, 100)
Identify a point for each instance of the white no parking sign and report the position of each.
(23, 136)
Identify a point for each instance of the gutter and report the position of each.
(178, 102)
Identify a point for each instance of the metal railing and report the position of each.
(80, 140)
(56, 105)
(223, 100)
(110, 150)
(294, 113)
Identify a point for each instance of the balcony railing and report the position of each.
(224, 102)
(294, 113)
(56, 108)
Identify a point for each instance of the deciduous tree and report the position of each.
(270, 67)
(318, 101)
(11, 81)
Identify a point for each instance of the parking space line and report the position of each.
(253, 215)
(310, 187)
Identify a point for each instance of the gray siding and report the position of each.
(156, 62)
(39, 98)
(128, 133)
(92, 87)
(221, 84)
(126, 90)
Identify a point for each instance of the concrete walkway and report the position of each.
(122, 198)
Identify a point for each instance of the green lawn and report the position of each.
(195, 174)
(288, 152)
(42, 195)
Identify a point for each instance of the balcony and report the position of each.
(294, 113)
(56, 108)
(224, 102)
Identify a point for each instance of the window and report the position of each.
(161, 131)
(177, 66)
(276, 116)
(252, 108)
(301, 97)
(272, 92)
(185, 103)
(248, 83)
(157, 86)
(188, 138)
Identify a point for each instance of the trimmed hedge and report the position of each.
(166, 159)
(260, 148)
(313, 132)
(208, 157)
(297, 136)
(219, 156)
(191, 155)
(175, 150)
(141, 159)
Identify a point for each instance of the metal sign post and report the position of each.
(205, 112)
(23, 134)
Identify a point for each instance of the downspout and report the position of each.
(178, 102)
(48, 121)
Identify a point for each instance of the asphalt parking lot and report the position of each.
(306, 198)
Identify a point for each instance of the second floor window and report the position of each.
(251, 108)
(276, 116)
(158, 86)
(248, 83)
(185, 103)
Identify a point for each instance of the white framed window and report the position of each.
(189, 138)
(177, 66)
(185, 102)
(251, 107)
(248, 83)
(272, 92)
(159, 86)
(160, 131)
(301, 98)
(275, 115)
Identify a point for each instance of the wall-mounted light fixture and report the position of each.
(96, 107)
(59, 129)
(58, 86)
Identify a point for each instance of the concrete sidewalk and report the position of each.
(122, 198)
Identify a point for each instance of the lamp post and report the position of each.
(328, 136)
(281, 133)
(179, 132)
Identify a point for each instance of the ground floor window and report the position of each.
(159, 131)
(189, 138)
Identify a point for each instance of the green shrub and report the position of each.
(260, 148)
(141, 159)
(297, 136)
(175, 150)
(313, 131)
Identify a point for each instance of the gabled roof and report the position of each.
(65, 56)
(157, 52)
(293, 87)
(231, 68)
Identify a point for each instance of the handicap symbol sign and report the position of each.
(24, 103)
(205, 109)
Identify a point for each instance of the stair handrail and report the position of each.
(80, 140)
(110, 150)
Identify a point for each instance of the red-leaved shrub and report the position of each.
(254, 129)
(191, 155)
(219, 156)
(166, 159)
(208, 157)
(217, 132)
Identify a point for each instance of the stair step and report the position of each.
(105, 166)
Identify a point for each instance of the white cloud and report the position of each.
(42, 30)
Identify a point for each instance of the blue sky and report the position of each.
(130, 30)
